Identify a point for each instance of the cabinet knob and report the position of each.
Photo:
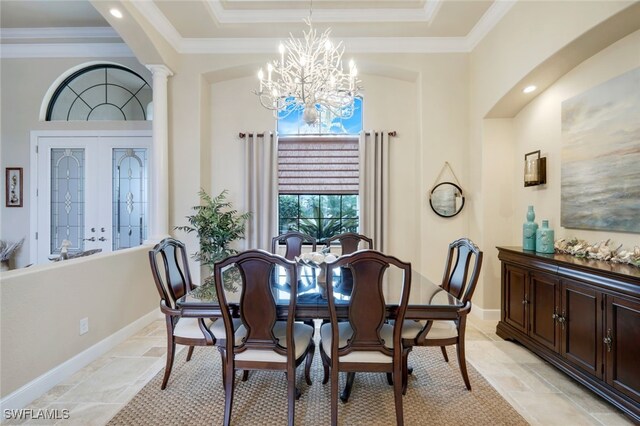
(525, 301)
(102, 239)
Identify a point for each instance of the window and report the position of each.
(318, 185)
(318, 173)
(100, 92)
(321, 216)
(290, 122)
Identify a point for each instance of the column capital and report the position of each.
(159, 69)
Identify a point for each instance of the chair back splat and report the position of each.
(176, 280)
(456, 279)
(350, 242)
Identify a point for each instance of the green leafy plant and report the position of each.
(217, 224)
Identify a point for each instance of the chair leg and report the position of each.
(308, 362)
(171, 351)
(463, 363)
(444, 353)
(224, 367)
(245, 375)
(325, 365)
(291, 394)
(390, 379)
(334, 397)
(228, 391)
(190, 353)
(398, 390)
(351, 376)
(405, 369)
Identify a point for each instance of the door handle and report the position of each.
(89, 239)
(102, 239)
(608, 340)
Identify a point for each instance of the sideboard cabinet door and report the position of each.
(515, 297)
(544, 307)
(582, 343)
(622, 345)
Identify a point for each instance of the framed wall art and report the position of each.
(600, 187)
(13, 187)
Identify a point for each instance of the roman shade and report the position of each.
(318, 165)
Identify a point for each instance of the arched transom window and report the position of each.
(100, 92)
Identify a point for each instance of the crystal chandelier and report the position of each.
(309, 75)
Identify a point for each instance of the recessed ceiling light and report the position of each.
(529, 89)
(115, 12)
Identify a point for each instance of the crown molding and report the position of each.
(57, 33)
(256, 16)
(65, 50)
(488, 21)
(160, 22)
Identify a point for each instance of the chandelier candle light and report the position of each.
(309, 75)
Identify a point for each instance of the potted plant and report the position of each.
(217, 224)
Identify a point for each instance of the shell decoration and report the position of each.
(602, 250)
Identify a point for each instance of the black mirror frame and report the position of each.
(431, 202)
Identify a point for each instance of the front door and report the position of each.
(91, 192)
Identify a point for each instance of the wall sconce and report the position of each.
(535, 169)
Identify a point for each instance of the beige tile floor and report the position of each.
(539, 392)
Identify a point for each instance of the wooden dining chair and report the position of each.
(365, 343)
(349, 243)
(293, 241)
(170, 269)
(268, 344)
(460, 278)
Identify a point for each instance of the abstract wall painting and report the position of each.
(600, 186)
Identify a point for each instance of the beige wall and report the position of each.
(529, 34)
(24, 84)
(422, 97)
(41, 307)
(538, 126)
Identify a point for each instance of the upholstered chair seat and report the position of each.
(302, 334)
(440, 329)
(188, 328)
(344, 334)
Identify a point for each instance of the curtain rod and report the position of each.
(261, 135)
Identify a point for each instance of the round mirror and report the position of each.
(446, 199)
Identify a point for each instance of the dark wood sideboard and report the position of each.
(582, 316)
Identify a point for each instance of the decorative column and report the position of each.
(159, 209)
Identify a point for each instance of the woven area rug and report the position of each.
(436, 396)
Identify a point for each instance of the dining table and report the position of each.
(427, 301)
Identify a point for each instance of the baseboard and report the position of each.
(485, 314)
(40, 385)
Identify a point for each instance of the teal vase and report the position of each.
(545, 238)
(529, 229)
